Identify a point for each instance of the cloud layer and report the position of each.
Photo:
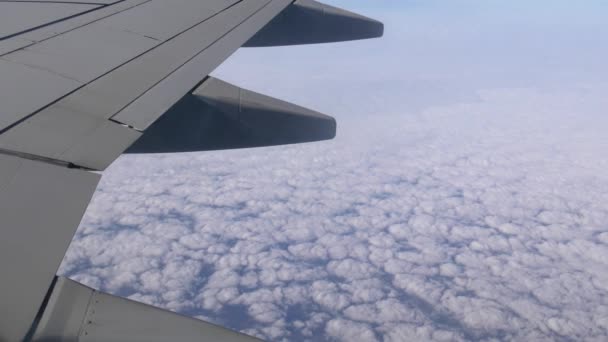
(465, 197)
(478, 221)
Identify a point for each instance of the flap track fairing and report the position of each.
(219, 116)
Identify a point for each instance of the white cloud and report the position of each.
(444, 213)
(455, 233)
(344, 330)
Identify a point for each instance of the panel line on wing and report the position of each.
(41, 206)
(40, 159)
(37, 36)
(60, 2)
(75, 129)
(98, 6)
(76, 89)
(193, 57)
(43, 306)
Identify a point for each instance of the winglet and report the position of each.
(311, 22)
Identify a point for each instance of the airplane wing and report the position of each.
(82, 83)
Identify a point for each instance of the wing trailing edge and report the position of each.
(219, 115)
(41, 205)
(75, 312)
(311, 22)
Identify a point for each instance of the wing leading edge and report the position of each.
(83, 85)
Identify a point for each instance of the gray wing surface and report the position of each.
(82, 83)
(76, 312)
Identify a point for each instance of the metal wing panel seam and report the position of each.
(88, 318)
(113, 117)
(16, 34)
(45, 160)
(35, 36)
(120, 115)
(25, 118)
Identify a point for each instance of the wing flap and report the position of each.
(68, 136)
(77, 313)
(40, 205)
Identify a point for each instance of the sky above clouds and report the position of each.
(465, 197)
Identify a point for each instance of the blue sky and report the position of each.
(463, 199)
